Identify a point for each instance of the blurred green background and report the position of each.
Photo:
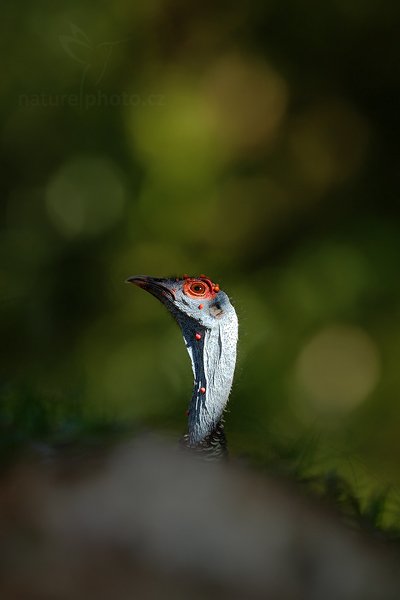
(257, 144)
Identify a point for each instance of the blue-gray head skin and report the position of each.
(210, 329)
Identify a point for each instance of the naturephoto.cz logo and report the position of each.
(94, 60)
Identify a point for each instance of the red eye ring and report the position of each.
(197, 288)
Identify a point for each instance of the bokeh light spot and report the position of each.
(86, 196)
(248, 99)
(338, 369)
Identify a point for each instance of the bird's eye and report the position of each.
(198, 289)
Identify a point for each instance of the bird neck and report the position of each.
(212, 447)
(213, 356)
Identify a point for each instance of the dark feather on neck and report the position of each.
(212, 447)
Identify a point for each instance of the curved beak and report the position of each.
(158, 287)
(139, 280)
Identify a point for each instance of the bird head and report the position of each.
(195, 299)
(209, 326)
